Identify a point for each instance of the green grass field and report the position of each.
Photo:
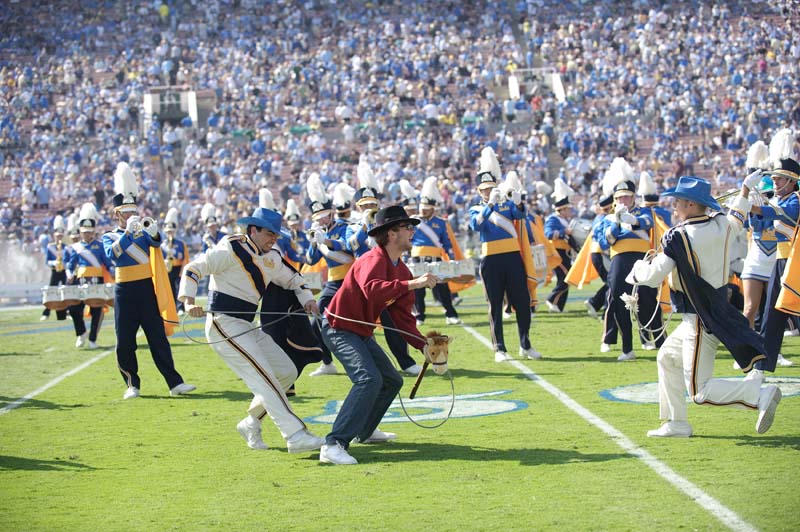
(78, 457)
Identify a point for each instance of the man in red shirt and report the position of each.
(378, 280)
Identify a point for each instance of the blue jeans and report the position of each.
(375, 384)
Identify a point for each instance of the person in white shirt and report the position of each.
(241, 267)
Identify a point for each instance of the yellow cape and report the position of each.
(658, 230)
(163, 289)
(789, 296)
(583, 271)
(458, 255)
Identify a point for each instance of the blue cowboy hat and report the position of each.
(265, 218)
(694, 189)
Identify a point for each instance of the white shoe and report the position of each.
(671, 429)
(531, 354)
(131, 392)
(378, 436)
(181, 389)
(412, 370)
(303, 441)
(736, 365)
(335, 454)
(507, 315)
(784, 362)
(768, 401)
(590, 309)
(80, 341)
(649, 346)
(501, 356)
(252, 435)
(181, 312)
(453, 321)
(93, 345)
(324, 369)
(792, 332)
(754, 374)
(420, 323)
(457, 300)
(552, 307)
(625, 357)
(605, 348)
(43, 318)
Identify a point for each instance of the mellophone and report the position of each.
(460, 271)
(64, 296)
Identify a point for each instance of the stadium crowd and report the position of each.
(418, 88)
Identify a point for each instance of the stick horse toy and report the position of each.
(436, 353)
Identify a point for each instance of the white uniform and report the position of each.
(686, 359)
(239, 275)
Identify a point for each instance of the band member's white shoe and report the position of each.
(182, 388)
(671, 429)
(590, 309)
(131, 392)
(378, 436)
(531, 354)
(80, 341)
(784, 362)
(324, 369)
(93, 345)
(552, 307)
(501, 356)
(453, 321)
(252, 435)
(768, 401)
(303, 441)
(605, 348)
(625, 357)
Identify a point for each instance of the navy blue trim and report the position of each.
(247, 261)
(234, 307)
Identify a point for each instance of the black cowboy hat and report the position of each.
(388, 217)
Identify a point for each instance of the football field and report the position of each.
(558, 443)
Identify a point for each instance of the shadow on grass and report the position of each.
(16, 463)
(17, 354)
(773, 442)
(237, 396)
(37, 404)
(479, 374)
(435, 452)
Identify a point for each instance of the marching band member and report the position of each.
(626, 234)
(428, 243)
(343, 201)
(136, 301)
(502, 268)
(176, 254)
(695, 258)
(378, 281)
(783, 213)
(56, 255)
(359, 242)
(409, 197)
(85, 266)
(298, 239)
(650, 198)
(213, 234)
(292, 333)
(557, 230)
(240, 268)
(327, 240)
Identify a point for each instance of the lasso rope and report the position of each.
(632, 304)
(285, 315)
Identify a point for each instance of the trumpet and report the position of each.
(147, 222)
(729, 194)
(59, 257)
(170, 255)
(369, 216)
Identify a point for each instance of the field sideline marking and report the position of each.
(22, 400)
(727, 516)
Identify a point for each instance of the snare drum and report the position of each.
(581, 229)
(94, 294)
(108, 289)
(447, 271)
(465, 270)
(539, 262)
(71, 294)
(51, 298)
(313, 280)
(419, 269)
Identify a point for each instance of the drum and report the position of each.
(581, 229)
(109, 291)
(51, 298)
(418, 269)
(71, 294)
(465, 271)
(447, 270)
(94, 295)
(539, 262)
(314, 281)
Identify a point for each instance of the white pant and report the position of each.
(263, 366)
(686, 364)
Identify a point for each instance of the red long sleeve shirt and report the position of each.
(374, 283)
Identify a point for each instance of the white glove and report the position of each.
(319, 237)
(631, 302)
(133, 225)
(495, 197)
(752, 180)
(516, 197)
(620, 209)
(628, 218)
(638, 273)
(152, 229)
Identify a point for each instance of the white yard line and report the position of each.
(22, 400)
(727, 516)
